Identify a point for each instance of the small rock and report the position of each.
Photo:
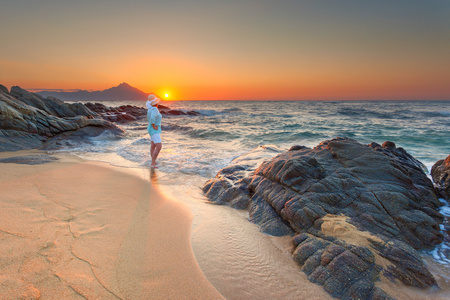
(440, 172)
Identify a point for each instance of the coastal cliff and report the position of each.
(357, 213)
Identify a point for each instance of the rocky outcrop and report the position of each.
(29, 121)
(127, 113)
(357, 212)
(440, 173)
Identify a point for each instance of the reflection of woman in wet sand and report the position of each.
(153, 176)
(154, 128)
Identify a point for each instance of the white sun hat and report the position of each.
(152, 100)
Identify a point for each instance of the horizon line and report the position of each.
(37, 90)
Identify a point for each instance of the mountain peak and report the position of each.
(123, 87)
(123, 91)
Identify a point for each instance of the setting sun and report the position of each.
(166, 95)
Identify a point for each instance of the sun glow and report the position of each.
(166, 95)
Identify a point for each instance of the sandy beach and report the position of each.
(72, 230)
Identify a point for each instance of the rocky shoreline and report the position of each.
(358, 213)
(30, 121)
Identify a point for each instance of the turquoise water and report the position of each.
(204, 144)
(421, 127)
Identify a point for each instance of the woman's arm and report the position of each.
(153, 120)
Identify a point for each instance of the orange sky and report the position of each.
(207, 50)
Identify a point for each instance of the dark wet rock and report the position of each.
(133, 111)
(404, 158)
(345, 271)
(30, 159)
(261, 213)
(379, 195)
(440, 173)
(81, 110)
(406, 264)
(121, 114)
(127, 113)
(28, 121)
(13, 140)
(415, 168)
(97, 107)
(297, 147)
(175, 112)
(230, 186)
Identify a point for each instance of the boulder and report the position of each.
(440, 172)
(348, 204)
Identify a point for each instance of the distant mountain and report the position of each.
(123, 91)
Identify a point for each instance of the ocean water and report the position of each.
(195, 148)
(226, 129)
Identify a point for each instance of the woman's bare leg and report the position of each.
(152, 148)
(155, 152)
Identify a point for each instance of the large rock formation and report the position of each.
(357, 212)
(29, 121)
(440, 173)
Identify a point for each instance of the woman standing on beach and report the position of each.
(154, 127)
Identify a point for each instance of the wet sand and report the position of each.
(71, 230)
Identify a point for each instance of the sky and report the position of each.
(231, 50)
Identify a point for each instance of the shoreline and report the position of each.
(219, 253)
(74, 228)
